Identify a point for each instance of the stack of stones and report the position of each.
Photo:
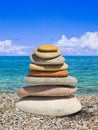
(51, 90)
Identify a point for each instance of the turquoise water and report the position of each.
(13, 69)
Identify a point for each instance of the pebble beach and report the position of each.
(12, 118)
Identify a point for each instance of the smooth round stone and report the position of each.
(47, 48)
(47, 54)
(49, 90)
(62, 73)
(50, 80)
(54, 61)
(48, 67)
(51, 106)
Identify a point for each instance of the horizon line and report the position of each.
(62, 55)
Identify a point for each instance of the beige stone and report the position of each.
(48, 67)
(52, 106)
(50, 80)
(47, 54)
(46, 90)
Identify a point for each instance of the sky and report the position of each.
(72, 25)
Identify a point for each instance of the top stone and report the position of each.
(47, 48)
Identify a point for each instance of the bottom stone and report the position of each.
(51, 106)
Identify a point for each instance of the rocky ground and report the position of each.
(13, 119)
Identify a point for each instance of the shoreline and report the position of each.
(12, 118)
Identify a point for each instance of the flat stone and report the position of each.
(50, 80)
(61, 73)
(46, 90)
(47, 48)
(51, 106)
(54, 61)
(47, 54)
(48, 67)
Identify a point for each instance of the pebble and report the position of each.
(14, 119)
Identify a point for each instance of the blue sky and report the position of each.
(70, 24)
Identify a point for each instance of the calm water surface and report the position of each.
(13, 69)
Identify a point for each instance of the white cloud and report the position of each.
(8, 48)
(87, 44)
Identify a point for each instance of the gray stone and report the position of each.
(50, 80)
(54, 61)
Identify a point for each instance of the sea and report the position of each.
(13, 69)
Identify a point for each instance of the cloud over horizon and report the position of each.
(87, 44)
(8, 48)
